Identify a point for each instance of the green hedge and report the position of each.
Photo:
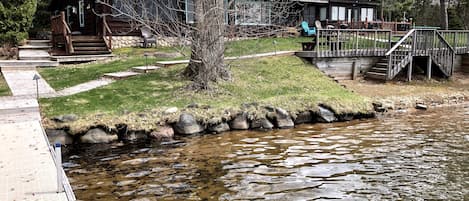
(16, 18)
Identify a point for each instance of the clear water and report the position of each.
(423, 156)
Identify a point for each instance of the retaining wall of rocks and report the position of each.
(276, 118)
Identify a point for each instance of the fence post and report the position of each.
(58, 165)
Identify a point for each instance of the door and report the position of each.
(81, 18)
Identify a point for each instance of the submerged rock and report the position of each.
(97, 135)
(219, 128)
(59, 136)
(325, 115)
(187, 125)
(164, 133)
(240, 122)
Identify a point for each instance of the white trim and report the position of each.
(81, 12)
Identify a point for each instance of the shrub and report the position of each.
(15, 20)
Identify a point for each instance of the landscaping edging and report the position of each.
(187, 125)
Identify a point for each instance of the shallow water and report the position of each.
(424, 156)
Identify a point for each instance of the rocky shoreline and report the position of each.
(187, 125)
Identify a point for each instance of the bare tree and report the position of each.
(205, 25)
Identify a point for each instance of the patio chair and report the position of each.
(149, 38)
(318, 24)
(306, 30)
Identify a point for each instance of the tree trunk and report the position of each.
(207, 57)
(444, 15)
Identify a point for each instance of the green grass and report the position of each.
(67, 76)
(279, 81)
(4, 89)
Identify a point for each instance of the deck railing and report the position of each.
(61, 32)
(420, 42)
(400, 55)
(443, 54)
(107, 33)
(458, 39)
(352, 42)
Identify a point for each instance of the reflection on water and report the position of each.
(412, 157)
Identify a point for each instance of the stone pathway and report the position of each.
(80, 88)
(22, 83)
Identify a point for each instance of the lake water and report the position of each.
(423, 156)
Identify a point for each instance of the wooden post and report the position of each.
(429, 68)
(354, 69)
(409, 70)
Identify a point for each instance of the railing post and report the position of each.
(58, 164)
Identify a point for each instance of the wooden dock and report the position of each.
(27, 163)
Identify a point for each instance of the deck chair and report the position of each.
(318, 24)
(149, 38)
(306, 30)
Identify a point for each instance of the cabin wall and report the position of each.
(342, 68)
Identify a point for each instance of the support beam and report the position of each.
(429, 68)
(409, 70)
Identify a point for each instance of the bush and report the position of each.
(15, 20)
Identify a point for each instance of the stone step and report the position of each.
(81, 58)
(33, 47)
(145, 69)
(120, 75)
(17, 68)
(169, 63)
(28, 63)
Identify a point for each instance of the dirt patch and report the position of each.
(403, 95)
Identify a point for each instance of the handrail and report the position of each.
(60, 29)
(389, 52)
(443, 39)
(107, 29)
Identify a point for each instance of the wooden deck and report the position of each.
(440, 47)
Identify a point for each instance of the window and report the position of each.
(190, 11)
(81, 13)
(190, 15)
(367, 14)
(338, 13)
(253, 12)
(323, 13)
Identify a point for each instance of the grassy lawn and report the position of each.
(279, 81)
(67, 76)
(4, 89)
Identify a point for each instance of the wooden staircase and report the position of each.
(416, 43)
(379, 71)
(89, 45)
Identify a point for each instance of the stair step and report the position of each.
(87, 40)
(378, 70)
(91, 52)
(90, 48)
(382, 65)
(101, 44)
(373, 75)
